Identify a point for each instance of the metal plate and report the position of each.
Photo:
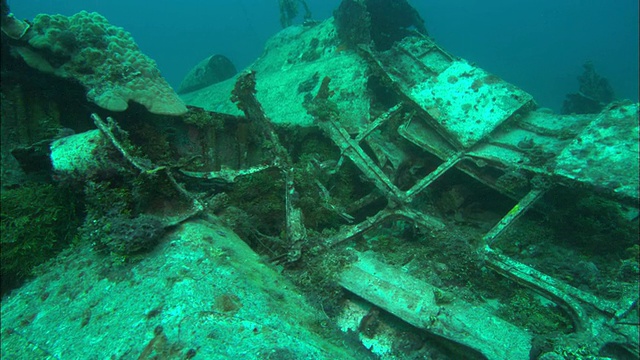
(605, 154)
(467, 102)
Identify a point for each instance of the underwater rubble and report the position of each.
(357, 192)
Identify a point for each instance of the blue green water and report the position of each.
(538, 45)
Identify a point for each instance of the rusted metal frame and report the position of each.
(563, 294)
(349, 232)
(560, 292)
(431, 177)
(443, 152)
(373, 61)
(396, 197)
(384, 215)
(363, 201)
(433, 45)
(419, 61)
(571, 299)
(327, 203)
(378, 122)
(416, 302)
(546, 283)
(518, 210)
(107, 129)
(538, 281)
(507, 267)
(525, 275)
(420, 218)
(501, 264)
(494, 163)
(557, 290)
(225, 175)
(244, 96)
(296, 231)
(352, 150)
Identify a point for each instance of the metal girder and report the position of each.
(589, 313)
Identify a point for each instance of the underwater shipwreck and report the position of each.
(357, 192)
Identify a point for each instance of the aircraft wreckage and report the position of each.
(354, 140)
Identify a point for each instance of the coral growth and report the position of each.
(122, 235)
(594, 86)
(594, 93)
(103, 58)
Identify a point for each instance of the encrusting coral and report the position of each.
(103, 58)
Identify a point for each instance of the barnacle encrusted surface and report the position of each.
(103, 58)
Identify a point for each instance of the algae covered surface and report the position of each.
(356, 192)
